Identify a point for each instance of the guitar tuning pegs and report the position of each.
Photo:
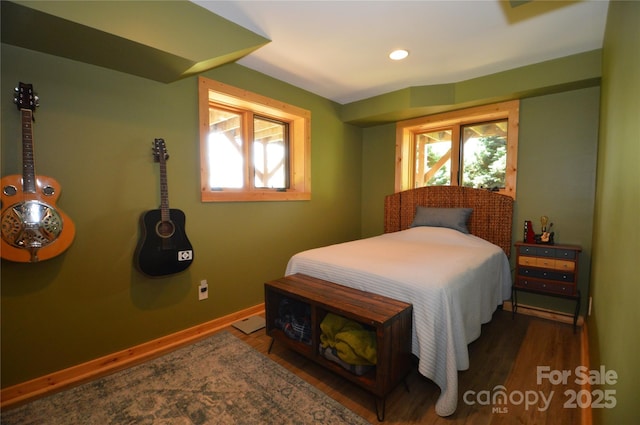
(36, 100)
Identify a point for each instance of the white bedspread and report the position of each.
(455, 282)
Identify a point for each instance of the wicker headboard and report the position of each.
(491, 219)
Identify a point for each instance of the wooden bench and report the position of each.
(390, 320)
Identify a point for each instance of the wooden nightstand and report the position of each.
(547, 270)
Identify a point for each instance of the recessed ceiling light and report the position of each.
(397, 55)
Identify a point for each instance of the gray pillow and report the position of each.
(453, 218)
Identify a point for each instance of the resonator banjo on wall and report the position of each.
(33, 228)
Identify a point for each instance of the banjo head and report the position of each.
(30, 225)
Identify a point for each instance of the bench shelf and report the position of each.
(390, 320)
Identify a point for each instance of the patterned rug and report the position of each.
(219, 380)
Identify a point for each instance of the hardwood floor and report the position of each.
(507, 354)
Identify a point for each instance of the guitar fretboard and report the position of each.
(28, 164)
(164, 187)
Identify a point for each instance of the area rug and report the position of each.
(219, 380)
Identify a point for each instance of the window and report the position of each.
(252, 148)
(475, 147)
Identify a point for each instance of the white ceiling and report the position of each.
(338, 49)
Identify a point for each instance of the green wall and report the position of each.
(614, 339)
(557, 151)
(93, 133)
(378, 171)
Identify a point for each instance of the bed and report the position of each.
(444, 249)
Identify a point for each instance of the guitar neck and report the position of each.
(164, 190)
(28, 164)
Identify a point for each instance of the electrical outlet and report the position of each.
(203, 290)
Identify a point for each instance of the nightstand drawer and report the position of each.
(528, 250)
(568, 266)
(525, 271)
(547, 251)
(552, 275)
(527, 261)
(542, 286)
(547, 263)
(546, 274)
(569, 254)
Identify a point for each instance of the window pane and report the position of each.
(270, 153)
(433, 159)
(484, 153)
(225, 150)
(252, 148)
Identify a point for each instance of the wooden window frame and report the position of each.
(406, 131)
(210, 93)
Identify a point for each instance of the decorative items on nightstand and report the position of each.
(544, 237)
(547, 270)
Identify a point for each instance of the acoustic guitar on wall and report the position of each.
(163, 248)
(33, 227)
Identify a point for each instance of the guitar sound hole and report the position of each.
(48, 190)
(165, 229)
(10, 190)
